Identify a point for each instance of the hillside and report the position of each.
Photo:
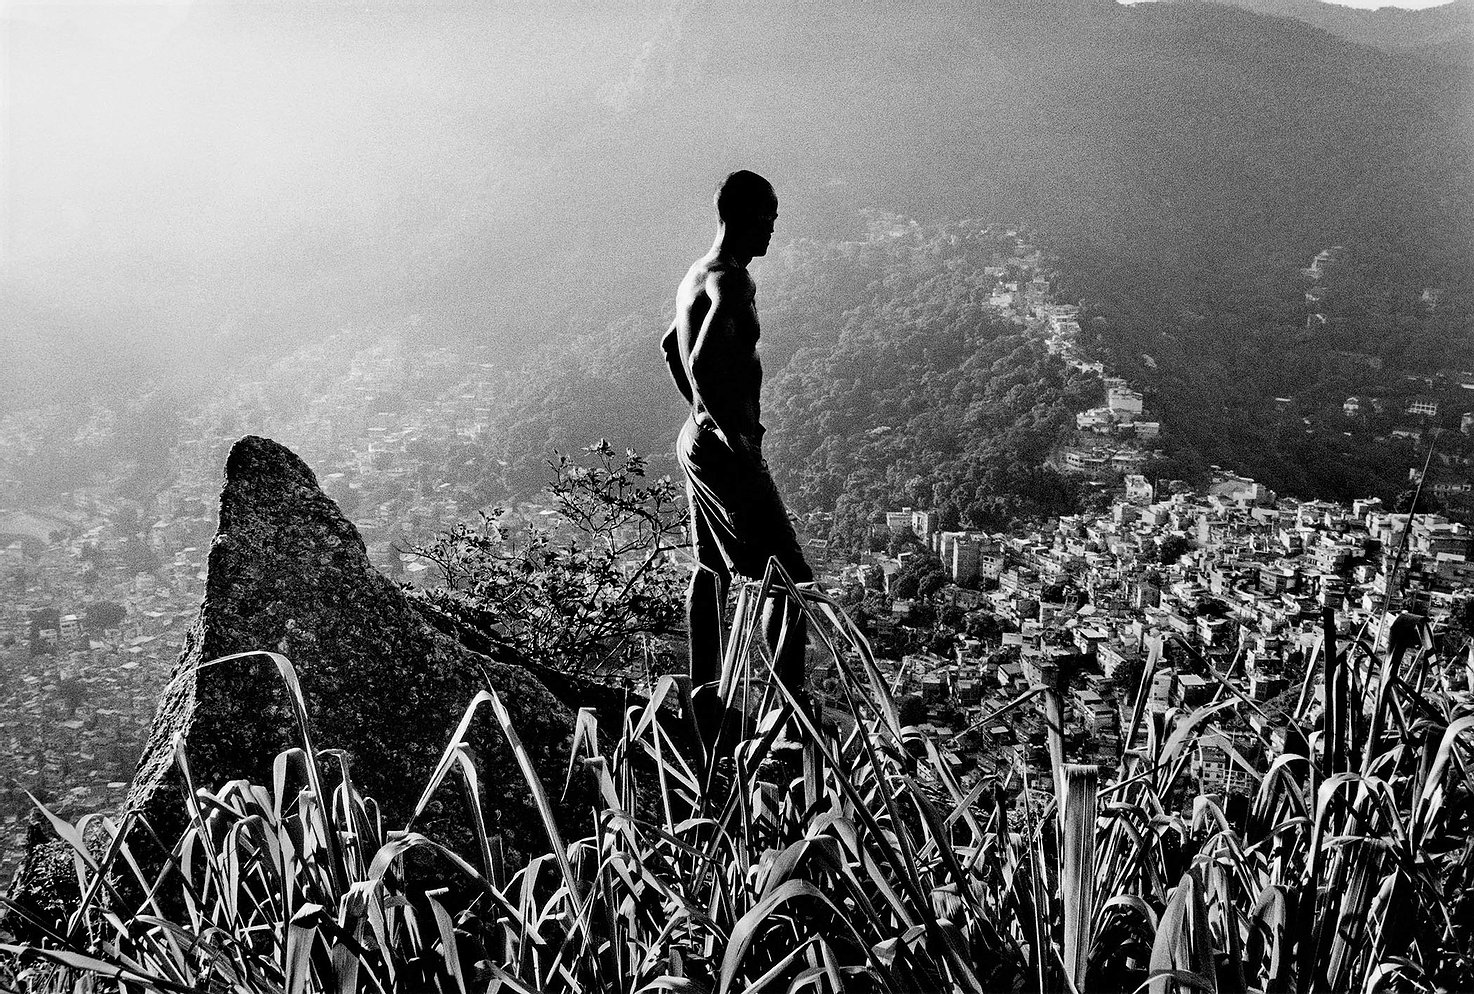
(890, 378)
(1184, 162)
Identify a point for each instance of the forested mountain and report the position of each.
(921, 394)
(890, 379)
(1185, 162)
(521, 177)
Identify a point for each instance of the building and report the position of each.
(1266, 686)
(1213, 632)
(1164, 689)
(1423, 406)
(1124, 402)
(1116, 658)
(1094, 462)
(924, 524)
(1088, 640)
(1217, 769)
(1096, 712)
(964, 563)
(1196, 690)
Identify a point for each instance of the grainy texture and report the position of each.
(289, 573)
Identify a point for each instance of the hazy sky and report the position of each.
(1363, 4)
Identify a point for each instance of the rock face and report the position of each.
(289, 573)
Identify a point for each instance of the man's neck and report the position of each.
(723, 248)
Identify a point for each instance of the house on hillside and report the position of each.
(1422, 405)
(1124, 402)
(898, 522)
(1447, 482)
(1138, 488)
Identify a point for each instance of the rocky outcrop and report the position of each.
(289, 573)
(44, 886)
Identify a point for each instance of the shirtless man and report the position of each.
(737, 517)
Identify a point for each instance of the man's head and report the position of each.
(747, 206)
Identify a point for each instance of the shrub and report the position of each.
(585, 584)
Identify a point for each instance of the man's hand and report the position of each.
(746, 449)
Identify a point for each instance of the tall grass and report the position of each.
(818, 852)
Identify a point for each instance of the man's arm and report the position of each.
(716, 350)
(672, 349)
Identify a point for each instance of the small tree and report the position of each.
(72, 692)
(581, 587)
(102, 616)
(1172, 548)
(930, 583)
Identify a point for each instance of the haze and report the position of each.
(191, 182)
(191, 188)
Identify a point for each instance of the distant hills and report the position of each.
(1444, 33)
(522, 180)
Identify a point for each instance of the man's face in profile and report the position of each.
(760, 231)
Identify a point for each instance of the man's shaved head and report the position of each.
(745, 194)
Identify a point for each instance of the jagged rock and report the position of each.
(289, 573)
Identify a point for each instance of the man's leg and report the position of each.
(704, 599)
(786, 631)
(771, 534)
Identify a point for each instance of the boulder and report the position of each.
(289, 573)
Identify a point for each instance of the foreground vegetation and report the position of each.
(808, 855)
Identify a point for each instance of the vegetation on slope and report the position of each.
(921, 393)
(889, 379)
(1183, 161)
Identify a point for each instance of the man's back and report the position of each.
(716, 330)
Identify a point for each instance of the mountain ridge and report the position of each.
(1444, 33)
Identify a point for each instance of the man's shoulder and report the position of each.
(728, 279)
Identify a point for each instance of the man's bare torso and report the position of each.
(727, 375)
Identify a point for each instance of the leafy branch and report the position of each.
(588, 581)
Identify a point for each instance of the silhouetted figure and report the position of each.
(737, 517)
